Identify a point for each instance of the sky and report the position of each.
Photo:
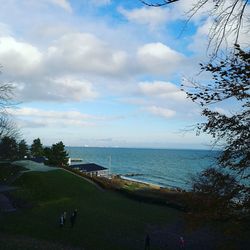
(104, 73)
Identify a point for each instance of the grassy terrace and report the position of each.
(106, 220)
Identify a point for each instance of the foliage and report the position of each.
(215, 194)
(37, 148)
(47, 152)
(231, 81)
(8, 148)
(57, 156)
(23, 149)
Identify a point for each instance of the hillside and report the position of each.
(105, 220)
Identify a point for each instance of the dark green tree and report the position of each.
(57, 155)
(47, 152)
(8, 148)
(23, 149)
(36, 148)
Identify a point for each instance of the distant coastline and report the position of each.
(145, 148)
(169, 168)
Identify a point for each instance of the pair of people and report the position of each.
(63, 218)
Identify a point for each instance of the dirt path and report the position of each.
(5, 203)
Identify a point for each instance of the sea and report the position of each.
(172, 168)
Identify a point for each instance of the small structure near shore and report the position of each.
(72, 160)
(91, 169)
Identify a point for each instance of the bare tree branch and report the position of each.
(158, 4)
(226, 16)
(7, 125)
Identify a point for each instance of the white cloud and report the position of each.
(82, 52)
(61, 71)
(160, 111)
(160, 89)
(146, 15)
(62, 3)
(72, 89)
(154, 17)
(39, 117)
(18, 58)
(56, 89)
(164, 99)
(34, 112)
(158, 58)
(35, 117)
(100, 2)
(207, 31)
(4, 30)
(181, 10)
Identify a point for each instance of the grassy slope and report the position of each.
(106, 220)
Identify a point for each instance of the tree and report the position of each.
(231, 131)
(226, 187)
(36, 148)
(47, 152)
(214, 195)
(57, 156)
(6, 95)
(8, 148)
(158, 3)
(227, 18)
(23, 149)
(7, 126)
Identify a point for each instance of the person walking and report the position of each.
(75, 213)
(147, 242)
(72, 219)
(64, 217)
(61, 220)
(182, 243)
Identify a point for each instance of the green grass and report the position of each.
(106, 220)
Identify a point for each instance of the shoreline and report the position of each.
(152, 185)
(141, 182)
(127, 181)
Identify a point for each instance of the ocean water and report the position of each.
(164, 167)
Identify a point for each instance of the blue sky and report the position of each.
(103, 72)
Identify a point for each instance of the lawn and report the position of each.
(106, 220)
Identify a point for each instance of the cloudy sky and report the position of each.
(103, 72)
